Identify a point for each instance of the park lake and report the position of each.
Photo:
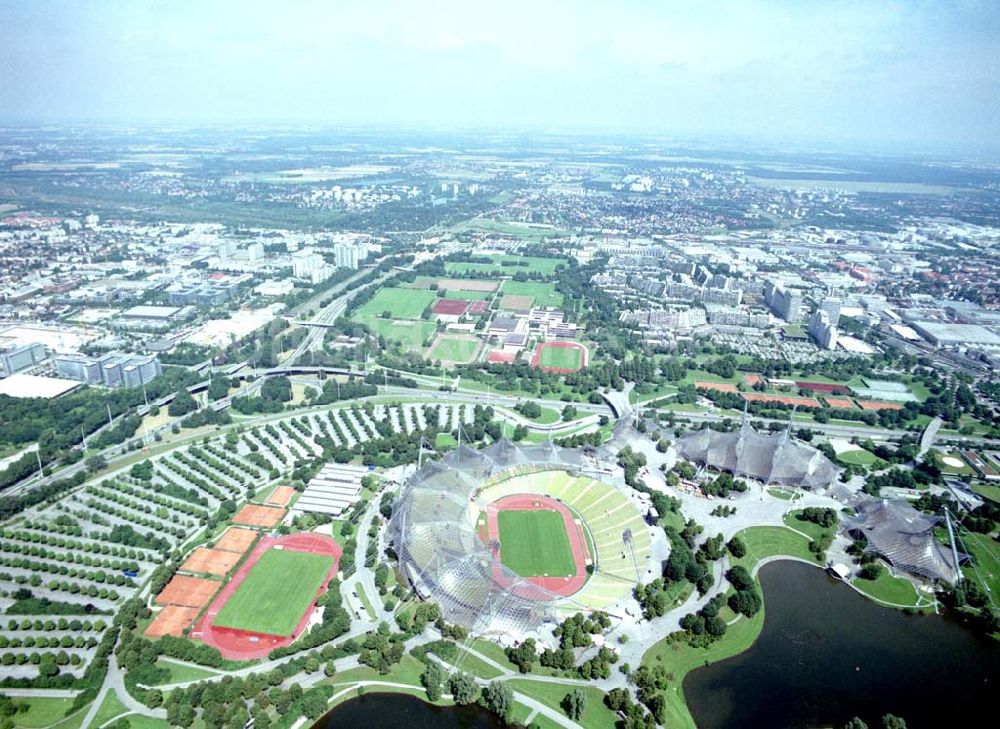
(825, 654)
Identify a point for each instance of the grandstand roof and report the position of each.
(904, 537)
(772, 458)
(434, 532)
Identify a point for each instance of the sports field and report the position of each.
(561, 358)
(276, 594)
(454, 349)
(508, 264)
(413, 333)
(535, 543)
(544, 294)
(400, 303)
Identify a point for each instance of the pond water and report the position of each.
(826, 654)
(401, 711)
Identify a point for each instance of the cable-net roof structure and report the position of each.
(773, 458)
(904, 537)
(433, 531)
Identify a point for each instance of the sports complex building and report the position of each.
(510, 537)
(773, 458)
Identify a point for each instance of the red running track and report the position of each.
(564, 586)
(242, 645)
(536, 359)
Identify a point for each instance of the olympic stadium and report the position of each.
(510, 537)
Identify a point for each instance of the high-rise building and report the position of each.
(15, 359)
(111, 369)
(786, 303)
(831, 307)
(78, 367)
(822, 330)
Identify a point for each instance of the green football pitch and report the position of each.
(566, 358)
(400, 303)
(454, 349)
(276, 594)
(535, 543)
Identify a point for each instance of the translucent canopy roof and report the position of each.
(433, 529)
(772, 458)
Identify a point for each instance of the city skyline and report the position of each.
(912, 76)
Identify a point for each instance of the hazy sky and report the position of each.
(918, 71)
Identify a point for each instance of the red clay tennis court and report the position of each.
(210, 561)
(802, 402)
(840, 402)
(187, 591)
(171, 620)
(242, 645)
(259, 516)
(236, 540)
(878, 405)
(717, 386)
(280, 496)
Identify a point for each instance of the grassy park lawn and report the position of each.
(782, 494)
(400, 303)
(659, 391)
(815, 531)
(45, 711)
(544, 294)
(547, 417)
(468, 295)
(363, 597)
(413, 333)
(180, 672)
(275, 595)
(962, 469)
(693, 376)
(986, 555)
(566, 358)
(766, 541)
(859, 457)
(508, 264)
(894, 590)
(987, 491)
(454, 349)
(595, 715)
(681, 658)
(535, 543)
(140, 721)
(445, 440)
(109, 709)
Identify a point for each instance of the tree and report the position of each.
(574, 704)
(95, 464)
(523, 655)
(890, 721)
(47, 666)
(737, 547)
(746, 602)
(182, 404)
(431, 679)
(498, 697)
(855, 723)
(463, 689)
(569, 412)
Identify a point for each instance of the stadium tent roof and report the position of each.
(773, 458)
(904, 537)
(434, 532)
